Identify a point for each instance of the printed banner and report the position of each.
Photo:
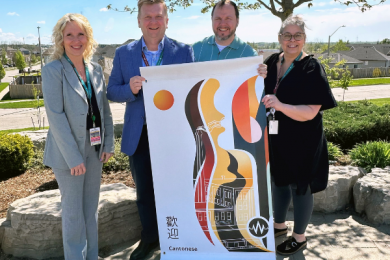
(209, 154)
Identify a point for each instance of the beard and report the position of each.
(224, 38)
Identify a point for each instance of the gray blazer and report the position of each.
(67, 108)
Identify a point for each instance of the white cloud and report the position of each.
(42, 22)
(104, 9)
(1, 30)
(13, 13)
(321, 4)
(9, 37)
(109, 25)
(193, 17)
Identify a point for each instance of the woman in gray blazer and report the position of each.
(81, 134)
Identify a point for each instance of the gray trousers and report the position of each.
(79, 202)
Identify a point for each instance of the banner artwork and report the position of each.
(209, 154)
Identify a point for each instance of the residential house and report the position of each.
(267, 52)
(105, 57)
(10, 52)
(350, 62)
(371, 57)
(47, 54)
(24, 51)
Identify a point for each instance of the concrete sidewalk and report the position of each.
(21, 118)
(338, 236)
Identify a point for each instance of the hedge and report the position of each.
(353, 123)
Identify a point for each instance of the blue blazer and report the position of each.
(127, 61)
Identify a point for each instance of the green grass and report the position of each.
(378, 102)
(22, 104)
(21, 130)
(368, 82)
(3, 86)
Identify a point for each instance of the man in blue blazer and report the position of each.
(125, 85)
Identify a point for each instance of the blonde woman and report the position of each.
(80, 138)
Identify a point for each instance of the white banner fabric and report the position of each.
(209, 154)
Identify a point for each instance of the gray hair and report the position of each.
(293, 20)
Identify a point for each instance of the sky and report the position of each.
(19, 21)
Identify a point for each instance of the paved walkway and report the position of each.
(337, 236)
(21, 118)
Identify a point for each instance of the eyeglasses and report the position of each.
(288, 36)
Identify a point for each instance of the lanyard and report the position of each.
(158, 62)
(278, 79)
(88, 90)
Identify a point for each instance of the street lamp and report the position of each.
(40, 49)
(331, 36)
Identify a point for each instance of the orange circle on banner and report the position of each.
(163, 100)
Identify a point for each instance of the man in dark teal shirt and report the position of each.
(224, 44)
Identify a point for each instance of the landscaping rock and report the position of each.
(339, 191)
(35, 222)
(372, 195)
(37, 137)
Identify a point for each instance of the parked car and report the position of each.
(5, 66)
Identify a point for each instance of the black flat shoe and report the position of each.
(290, 246)
(143, 249)
(280, 232)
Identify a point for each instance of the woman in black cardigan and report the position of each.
(296, 91)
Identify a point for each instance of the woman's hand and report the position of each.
(78, 170)
(272, 101)
(262, 70)
(105, 157)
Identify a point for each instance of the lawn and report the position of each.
(9, 131)
(22, 104)
(378, 102)
(367, 82)
(3, 86)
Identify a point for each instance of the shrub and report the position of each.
(376, 73)
(353, 123)
(334, 151)
(118, 162)
(37, 160)
(371, 155)
(15, 154)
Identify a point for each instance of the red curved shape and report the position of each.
(203, 185)
(244, 109)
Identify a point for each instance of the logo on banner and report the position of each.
(258, 227)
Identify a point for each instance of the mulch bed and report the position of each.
(34, 180)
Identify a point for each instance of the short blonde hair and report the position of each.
(58, 37)
(151, 2)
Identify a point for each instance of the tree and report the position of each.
(337, 76)
(3, 58)
(279, 8)
(385, 41)
(340, 46)
(33, 58)
(19, 60)
(2, 72)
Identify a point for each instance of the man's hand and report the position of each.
(105, 157)
(136, 84)
(262, 70)
(78, 170)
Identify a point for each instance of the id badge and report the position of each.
(273, 127)
(94, 135)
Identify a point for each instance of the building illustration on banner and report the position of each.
(223, 180)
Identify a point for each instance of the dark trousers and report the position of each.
(142, 174)
(303, 206)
